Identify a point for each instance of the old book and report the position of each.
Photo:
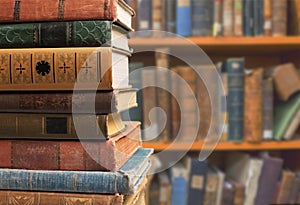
(183, 20)
(248, 17)
(292, 128)
(279, 18)
(295, 190)
(217, 20)
(67, 102)
(165, 189)
(157, 15)
(154, 191)
(170, 16)
(221, 180)
(294, 17)
(144, 17)
(134, 5)
(284, 114)
(246, 170)
(268, 17)
(63, 34)
(59, 126)
(72, 155)
(202, 17)
(212, 185)
(239, 194)
(228, 18)
(223, 102)
(228, 192)
(238, 17)
(124, 181)
(253, 110)
(286, 187)
(175, 116)
(235, 101)
(197, 181)
(59, 68)
(258, 17)
(285, 78)
(271, 170)
(268, 106)
(51, 10)
(179, 177)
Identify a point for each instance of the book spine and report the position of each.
(50, 10)
(258, 17)
(179, 191)
(224, 97)
(144, 17)
(171, 16)
(239, 196)
(228, 193)
(267, 26)
(183, 17)
(202, 17)
(211, 189)
(286, 187)
(157, 13)
(268, 109)
(51, 198)
(217, 20)
(235, 103)
(253, 106)
(56, 34)
(238, 18)
(248, 17)
(279, 21)
(228, 17)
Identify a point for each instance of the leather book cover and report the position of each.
(253, 110)
(238, 17)
(211, 188)
(279, 20)
(170, 16)
(248, 15)
(228, 192)
(271, 170)
(157, 14)
(239, 195)
(228, 18)
(72, 155)
(59, 68)
(144, 17)
(67, 10)
(202, 17)
(294, 17)
(258, 17)
(106, 102)
(268, 17)
(286, 187)
(268, 108)
(59, 126)
(217, 20)
(10, 197)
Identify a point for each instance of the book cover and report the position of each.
(279, 21)
(59, 68)
(157, 15)
(170, 16)
(248, 12)
(183, 17)
(217, 20)
(144, 17)
(239, 195)
(258, 17)
(286, 187)
(211, 187)
(179, 179)
(124, 181)
(293, 17)
(202, 17)
(228, 17)
(238, 17)
(165, 190)
(268, 108)
(267, 25)
(228, 192)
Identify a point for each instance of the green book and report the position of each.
(63, 34)
(284, 114)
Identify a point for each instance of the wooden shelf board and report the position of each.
(227, 146)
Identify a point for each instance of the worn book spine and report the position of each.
(235, 101)
(228, 193)
(58, 126)
(56, 34)
(228, 17)
(179, 180)
(183, 17)
(59, 68)
(217, 20)
(268, 17)
(211, 188)
(258, 17)
(238, 18)
(279, 18)
(144, 17)
(71, 155)
(239, 195)
(51, 198)
(124, 181)
(202, 17)
(170, 16)
(286, 187)
(253, 105)
(157, 14)
(248, 17)
(268, 106)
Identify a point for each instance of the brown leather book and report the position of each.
(285, 78)
(238, 18)
(59, 126)
(157, 14)
(52, 10)
(228, 18)
(212, 185)
(253, 110)
(228, 193)
(239, 195)
(59, 69)
(286, 187)
(294, 17)
(71, 155)
(268, 17)
(279, 18)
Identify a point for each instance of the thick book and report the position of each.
(268, 108)
(286, 187)
(68, 10)
(235, 100)
(228, 17)
(59, 68)
(270, 174)
(66, 102)
(72, 155)
(59, 126)
(63, 34)
(202, 17)
(279, 18)
(183, 17)
(124, 181)
(253, 105)
(267, 25)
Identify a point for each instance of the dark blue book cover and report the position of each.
(235, 101)
(124, 181)
(179, 181)
(183, 17)
(171, 16)
(258, 17)
(144, 16)
(202, 17)
(248, 14)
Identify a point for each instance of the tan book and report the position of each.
(286, 187)
(228, 18)
(268, 17)
(212, 185)
(59, 68)
(279, 17)
(253, 110)
(238, 18)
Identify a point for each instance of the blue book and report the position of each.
(179, 181)
(183, 17)
(248, 15)
(124, 181)
(202, 17)
(144, 17)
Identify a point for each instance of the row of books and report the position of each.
(64, 82)
(256, 104)
(245, 179)
(219, 17)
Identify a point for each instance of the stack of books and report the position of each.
(64, 82)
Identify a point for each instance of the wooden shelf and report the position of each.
(227, 146)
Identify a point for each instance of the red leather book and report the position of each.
(71, 155)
